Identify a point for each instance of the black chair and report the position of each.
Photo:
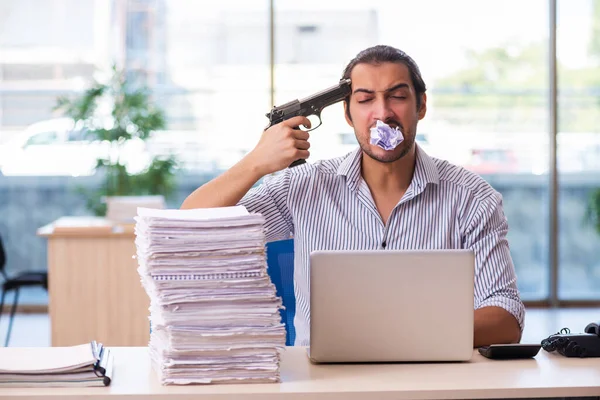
(24, 279)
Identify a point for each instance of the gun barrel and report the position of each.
(311, 105)
(342, 89)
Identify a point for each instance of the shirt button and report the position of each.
(383, 244)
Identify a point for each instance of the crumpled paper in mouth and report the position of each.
(385, 136)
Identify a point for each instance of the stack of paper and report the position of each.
(88, 364)
(213, 308)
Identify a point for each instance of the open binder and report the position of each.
(88, 364)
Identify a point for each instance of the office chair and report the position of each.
(24, 279)
(280, 262)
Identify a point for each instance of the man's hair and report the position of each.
(381, 54)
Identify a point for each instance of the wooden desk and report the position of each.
(547, 375)
(94, 287)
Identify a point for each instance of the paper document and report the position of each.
(84, 365)
(213, 308)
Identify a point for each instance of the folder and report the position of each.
(89, 364)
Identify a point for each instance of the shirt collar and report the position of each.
(350, 168)
(425, 170)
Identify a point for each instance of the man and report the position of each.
(375, 198)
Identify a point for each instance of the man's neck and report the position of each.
(394, 177)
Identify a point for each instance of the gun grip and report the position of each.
(297, 162)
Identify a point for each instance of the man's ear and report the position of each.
(347, 113)
(423, 109)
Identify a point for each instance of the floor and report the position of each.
(29, 330)
(33, 330)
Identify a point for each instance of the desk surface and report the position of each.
(86, 227)
(547, 375)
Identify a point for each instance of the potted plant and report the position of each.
(592, 214)
(119, 116)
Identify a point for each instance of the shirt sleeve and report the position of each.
(270, 200)
(495, 277)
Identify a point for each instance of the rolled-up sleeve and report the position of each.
(495, 277)
(270, 199)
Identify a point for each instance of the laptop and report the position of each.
(391, 305)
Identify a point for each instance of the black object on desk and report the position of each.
(510, 351)
(575, 344)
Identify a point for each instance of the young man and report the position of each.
(377, 198)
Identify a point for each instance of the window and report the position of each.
(207, 64)
(578, 154)
(42, 139)
(487, 94)
(77, 135)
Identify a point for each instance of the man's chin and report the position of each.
(385, 156)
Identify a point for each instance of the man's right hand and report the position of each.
(281, 145)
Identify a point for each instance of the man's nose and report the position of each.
(383, 110)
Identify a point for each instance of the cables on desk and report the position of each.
(574, 345)
(551, 343)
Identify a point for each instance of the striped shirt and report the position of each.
(328, 206)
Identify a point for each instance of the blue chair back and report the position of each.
(280, 266)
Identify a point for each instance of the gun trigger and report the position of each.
(313, 124)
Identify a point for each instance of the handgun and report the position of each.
(311, 105)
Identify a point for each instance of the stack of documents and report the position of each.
(213, 308)
(88, 364)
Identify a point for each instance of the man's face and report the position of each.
(384, 92)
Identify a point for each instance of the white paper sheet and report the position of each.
(213, 309)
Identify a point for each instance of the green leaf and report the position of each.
(133, 115)
(592, 212)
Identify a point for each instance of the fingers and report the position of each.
(295, 154)
(304, 154)
(297, 121)
(285, 142)
(300, 135)
(302, 144)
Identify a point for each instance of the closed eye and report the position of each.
(364, 101)
(399, 97)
